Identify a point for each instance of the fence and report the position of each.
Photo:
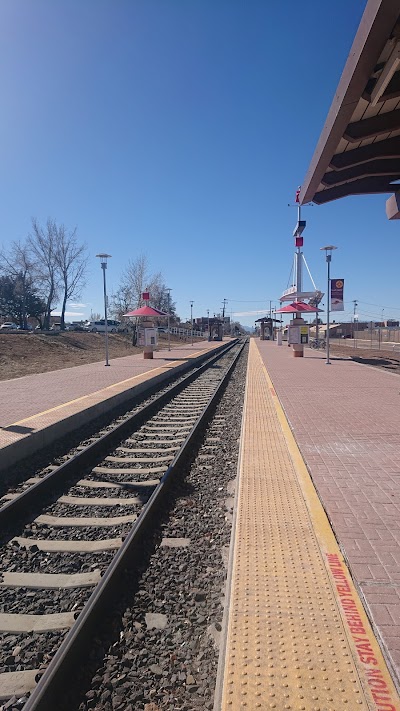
(186, 332)
(377, 338)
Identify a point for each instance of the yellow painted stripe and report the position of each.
(152, 373)
(296, 630)
(355, 619)
(89, 395)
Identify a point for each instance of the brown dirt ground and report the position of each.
(385, 359)
(28, 353)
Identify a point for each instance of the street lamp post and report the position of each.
(191, 317)
(355, 329)
(328, 256)
(103, 261)
(169, 335)
(354, 322)
(208, 324)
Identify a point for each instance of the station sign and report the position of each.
(298, 335)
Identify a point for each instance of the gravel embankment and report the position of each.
(164, 651)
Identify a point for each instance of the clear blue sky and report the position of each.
(181, 129)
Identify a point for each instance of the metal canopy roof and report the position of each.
(358, 151)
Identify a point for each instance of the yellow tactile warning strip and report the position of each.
(297, 637)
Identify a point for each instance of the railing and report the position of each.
(379, 338)
(185, 332)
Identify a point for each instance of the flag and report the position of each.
(146, 296)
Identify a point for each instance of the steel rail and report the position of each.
(76, 644)
(45, 489)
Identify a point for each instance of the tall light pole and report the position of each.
(168, 290)
(191, 317)
(208, 324)
(354, 322)
(328, 256)
(103, 261)
(273, 321)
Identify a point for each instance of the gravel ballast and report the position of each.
(164, 653)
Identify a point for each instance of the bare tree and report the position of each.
(71, 262)
(134, 282)
(18, 264)
(43, 243)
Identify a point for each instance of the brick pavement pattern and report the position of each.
(23, 397)
(346, 421)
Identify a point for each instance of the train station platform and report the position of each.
(313, 614)
(37, 409)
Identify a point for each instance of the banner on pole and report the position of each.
(337, 286)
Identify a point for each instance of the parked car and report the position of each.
(9, 326)
(100, 326)
(78, 326)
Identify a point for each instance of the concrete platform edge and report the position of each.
(219, 683)
(32, 442)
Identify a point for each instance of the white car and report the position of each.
(100, 326)
(9, 326)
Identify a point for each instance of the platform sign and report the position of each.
(147, 336)
(337, 303)
(150, 336)
(293, 335)
(304, 331)
(298, 335)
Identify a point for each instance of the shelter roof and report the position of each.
(298, 307)
(358, 151)
(146, 311)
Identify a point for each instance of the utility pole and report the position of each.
(168, 290)
(223, 315)
(270, 319)
(191, 317)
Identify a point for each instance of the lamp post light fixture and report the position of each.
(191, 317)
(169, 334)
(328, 256)
(103, 261)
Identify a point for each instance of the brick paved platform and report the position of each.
(36, 409)
(346, 420)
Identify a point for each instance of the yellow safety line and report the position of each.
(153, 371)
(85, 397)
(356, 622)
(355, 619)
(298, 637)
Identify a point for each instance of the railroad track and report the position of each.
(115, 489)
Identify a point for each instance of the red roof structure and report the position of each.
(298, 307)
(146, 311)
